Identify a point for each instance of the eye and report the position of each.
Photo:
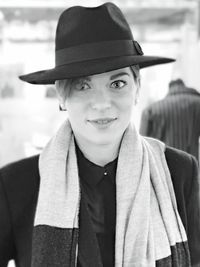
(81, 86)
(118, 84)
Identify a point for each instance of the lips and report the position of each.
(102, 121)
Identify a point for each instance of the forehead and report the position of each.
(110, 75)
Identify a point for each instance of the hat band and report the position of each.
(98, 50)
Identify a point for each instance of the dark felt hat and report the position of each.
(91, 41)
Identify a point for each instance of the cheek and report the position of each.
(73, 103)
(126, 103)
(76, 110)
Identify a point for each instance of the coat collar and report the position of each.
(186, 90)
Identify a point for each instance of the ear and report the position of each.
(62, 105)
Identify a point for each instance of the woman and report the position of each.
(107, 196)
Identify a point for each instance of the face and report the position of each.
(100, 106)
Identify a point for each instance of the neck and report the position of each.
(98, 153)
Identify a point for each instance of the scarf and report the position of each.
(149, 230)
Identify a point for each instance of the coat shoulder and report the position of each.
(19, 186)
(21, 166)
(183, 169)
(21, 176)
(20, 181)
(180, 162)
(184, 172)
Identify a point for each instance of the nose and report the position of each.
(101, 100)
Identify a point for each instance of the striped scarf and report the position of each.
(149, 231)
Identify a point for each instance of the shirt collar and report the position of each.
(92, 173)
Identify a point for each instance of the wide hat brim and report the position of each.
(91, 67)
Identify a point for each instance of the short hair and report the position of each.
(61, 85)
(136, 71)
(176, 82)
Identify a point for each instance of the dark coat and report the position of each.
(19, 185)
(175, 120)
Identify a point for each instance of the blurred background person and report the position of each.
(175, 119)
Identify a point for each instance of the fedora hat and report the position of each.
(92, 41)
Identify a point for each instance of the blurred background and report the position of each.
(29, 114)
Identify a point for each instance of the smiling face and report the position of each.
(100, 106)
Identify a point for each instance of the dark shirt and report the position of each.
(99, 187)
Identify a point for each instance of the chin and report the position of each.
(106, 139)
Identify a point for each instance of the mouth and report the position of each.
(102, 121)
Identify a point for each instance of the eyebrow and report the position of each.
(114, 76)
(86, 78)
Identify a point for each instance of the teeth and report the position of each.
(103, 121)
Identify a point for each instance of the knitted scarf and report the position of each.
(149, 230)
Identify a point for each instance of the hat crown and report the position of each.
(80, 25)
(91, 41)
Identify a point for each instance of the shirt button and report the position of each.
(105, 173)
